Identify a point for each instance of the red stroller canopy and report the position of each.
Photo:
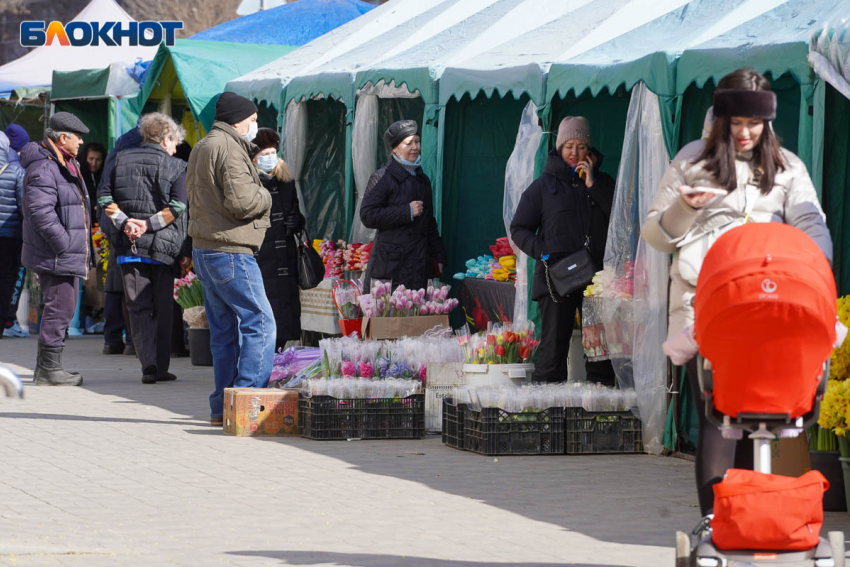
(765, 310)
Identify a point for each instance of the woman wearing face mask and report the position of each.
(145, 199)
(91, 168)
(399, 204)
(277, 256)
(740, 173)
(563, 210)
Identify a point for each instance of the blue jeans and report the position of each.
(236, 303)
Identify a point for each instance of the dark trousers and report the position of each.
(59, 294)
(116, 319)
(10, 265)
(149, 290)
(178, 340)
(557, 321)
(715, 455)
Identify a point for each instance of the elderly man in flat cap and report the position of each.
(398, 203)
(229, 214)
(57, 237)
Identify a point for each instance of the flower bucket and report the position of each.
(478, 375)
(199, 346)
(351, 326)
(834, 499)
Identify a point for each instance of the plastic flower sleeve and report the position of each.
(364, 158)
(295, 146)
(519, 173)
(635, 305)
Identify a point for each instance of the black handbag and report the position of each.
(311, 269)
(570, 274)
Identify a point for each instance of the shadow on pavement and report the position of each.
(369, 560)
(62, 417)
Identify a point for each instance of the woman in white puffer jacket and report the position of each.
(738, 174)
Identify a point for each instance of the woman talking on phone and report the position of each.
(739, 174)
(562, 211)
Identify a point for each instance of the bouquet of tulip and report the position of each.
(383, 301)
(189, 291)
(504, 343)
(356, 256)
(332, 256)
(406, 358)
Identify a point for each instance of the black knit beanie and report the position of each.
(232, 108)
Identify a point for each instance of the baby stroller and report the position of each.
(765, 315)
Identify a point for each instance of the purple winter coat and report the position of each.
(57, 227)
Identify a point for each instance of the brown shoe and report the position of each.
(216, 420)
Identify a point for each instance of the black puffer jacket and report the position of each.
(403, 248)
(557, 212)
(141, 185)
(278, 259)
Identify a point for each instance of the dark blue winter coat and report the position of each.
(11, 195)
(57, 227)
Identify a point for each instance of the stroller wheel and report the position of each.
(683, 550)
(836, 543)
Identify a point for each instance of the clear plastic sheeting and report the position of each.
(519, 174)
(635, 303)
(830, 54)
(295, 145)
(364, 157)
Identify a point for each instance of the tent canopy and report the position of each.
(88, 83)
(293, 23)
(197, 71)
(35, 69)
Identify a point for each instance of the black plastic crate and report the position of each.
(602, 432)
(493, 431)
(326, 417)
(453, 424)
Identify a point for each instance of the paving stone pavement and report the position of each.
(121, 473)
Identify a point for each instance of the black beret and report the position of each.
(67, 122)
(231, 108)
(400, 130)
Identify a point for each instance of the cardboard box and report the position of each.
(443, 378)
(260, 412)
(396, 327)
(789, 457)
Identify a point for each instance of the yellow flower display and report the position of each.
(835, 407)
(839, 362)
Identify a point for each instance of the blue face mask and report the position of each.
(267, 163)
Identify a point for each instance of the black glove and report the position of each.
(292, 222)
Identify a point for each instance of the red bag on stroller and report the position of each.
(753, 510)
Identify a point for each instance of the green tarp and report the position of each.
(197, 72)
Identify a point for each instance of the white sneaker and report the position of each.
(15, 331)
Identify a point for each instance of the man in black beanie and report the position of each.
(229, 216)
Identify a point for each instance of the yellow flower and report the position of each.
(835, 408)
(839, 362)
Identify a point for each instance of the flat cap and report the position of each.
(67, 122)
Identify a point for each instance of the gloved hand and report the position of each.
(292, 222)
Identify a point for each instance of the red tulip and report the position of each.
(491, 339)
(500, 350)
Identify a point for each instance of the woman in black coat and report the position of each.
(277, 256)
(399, 204)
(563, 208)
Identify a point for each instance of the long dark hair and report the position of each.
(719, 152)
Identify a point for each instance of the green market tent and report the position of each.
(192, 73)
(98, 97)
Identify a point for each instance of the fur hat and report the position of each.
(752, 104)
(573, 128)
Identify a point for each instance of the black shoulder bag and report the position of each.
(311, 269)
(570, 274)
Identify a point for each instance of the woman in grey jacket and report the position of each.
(739, 174)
